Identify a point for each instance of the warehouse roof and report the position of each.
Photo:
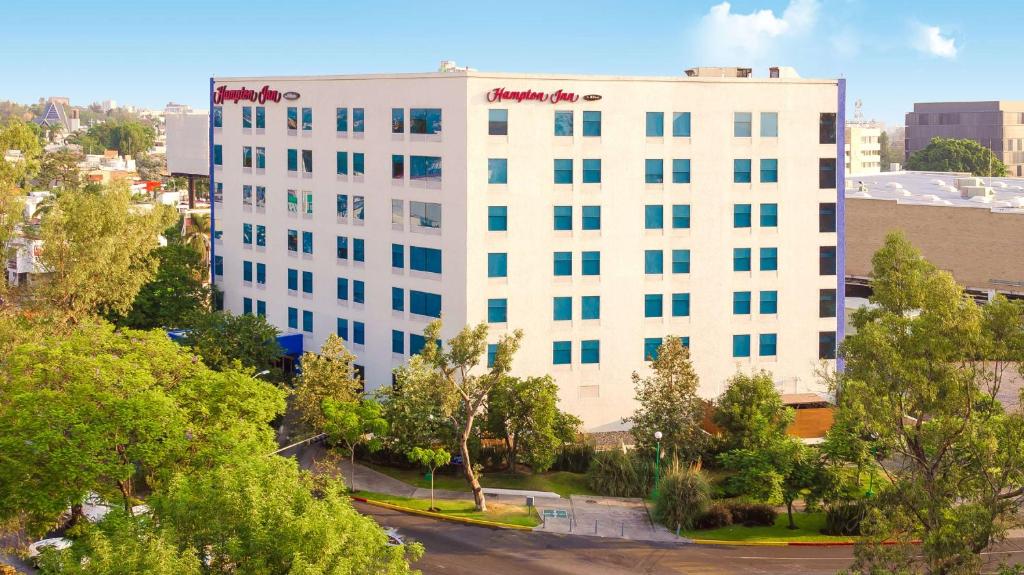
(938, 189)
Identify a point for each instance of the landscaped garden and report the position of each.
(462, 509)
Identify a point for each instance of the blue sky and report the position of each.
(149, 52)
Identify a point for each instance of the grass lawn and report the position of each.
(499, 512)
(809, 525)
(564, 483)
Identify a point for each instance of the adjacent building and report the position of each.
(863, 150)
(997, 125)
(599, 214)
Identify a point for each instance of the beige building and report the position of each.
(997, 125)
(863, 151)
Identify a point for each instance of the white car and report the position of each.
(57, 543)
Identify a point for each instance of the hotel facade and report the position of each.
(598, 214)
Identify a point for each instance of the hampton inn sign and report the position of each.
(224, 94)
(501, 95)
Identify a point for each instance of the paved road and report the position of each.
(454, 549)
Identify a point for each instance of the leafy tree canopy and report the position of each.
(173, 295)
(225, 340)
(524, 413)
(750, 413)
(327, 375)
(953, 155)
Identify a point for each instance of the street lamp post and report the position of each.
(657, 465)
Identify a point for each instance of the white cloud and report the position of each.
(727, 37)
(929, 39)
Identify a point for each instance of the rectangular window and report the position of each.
(293, 280)
(261, 236)
(590, 307)
(769, 259)
(397, 299)
(424, 303)
(654, 171)
(563, 263)
(590, 351)
(246, 271)
(826, 345)
(307, 203)
(741, 171)
(342, 163)
(741, 259)
(261, 196)
(561, 352)
(563, 122)
(358, 120)
(425, 259)
(307, 321)
(680, 305)
(246, 117)
(358, 210)
(261, 158)
(246, 306)
(591, 124)
(563, 218)
(218, 193)
(218, 155)
(397, 121)
(769, 302)
(680, 261)
(293, 240)
(397, 341)
(769, 171)
(591, 171)
(827, 303)
(741, 346)
(307, 243)
(247, 234)
(293, 118)
(341, 120)
(307, 161)
(654, 262)
(246, 156)
(497, 122)
(591, 263)
(827, 173)
(741, 216)
(655, 124)
(358, 168)
(293, 160)
(497, 310)
(293, 201)
(654, 217)
(591, 217)
(425, 214)
(767, 344)
(397, 167)
(358, 291)
(741, 303)
(741, 125)
(261, 117)
(261, 306)
(307, 119)
(293, 318)
(497, 265)
(826, 217)
(425, 168)
(497, 171)
(561, 308)
(497, 218)
(769, 124)
(397, 256)
(680, 124)
(652, 305)
(563, 171)
(827, 260)
(397, 213)
(246, 195)
(307, 282)
(343, 328)
(651, 345)
(343, 289)
(425, 121)
(681, 216)
(492, 352)
(680, 171)
(358, 333)
(827, 128)
(342, 248)
(358, 250)
(769, 215)
(218, 117)
(261, 273)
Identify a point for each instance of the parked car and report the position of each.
(58, 543)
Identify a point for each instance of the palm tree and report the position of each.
(196, 234)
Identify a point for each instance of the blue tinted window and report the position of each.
(497, 122)
(681, 216)
(827, 260)
(654, 171)
(590, 307)
(358, 250)
(358, 120)
(307, 242)
(341, 205)
(343, 328)
(651, 345)
(741, 303)
(425, 168)
(655, 124)
(741, 259)
(492, 352)
(293, 240)
(261, 273)
(342, 248)
(397, 299)
(591, 263)
(497, 171)
(293, 160)
(654, 217)
(416, 343)
(767, 344)
(741, 171)
(769, 171)
(563, 217)
(293, 280)
(358, 164)
(680, 261)
(247, 271)
(307, 282)
(343, 163)
(741, 216)
(397, 256)
(397, 341)
(247, 234)
(591, 217)
(590, 351)
(424, 303)
(307, 321)
(425, 259)
(424, 120)
(741, 346)
(341, 120)
(769, 215)
(246, 305)
(680, 171)
(246, 116)
(358, 291)
(497, 265)
(680, 304)
(497, 310)
(563, 122)
(397, 121)
(218, 117)
(307, 119)
(769, 259)
(293, 318)
(742, 124)
(769, 124)
(293, 118)
(653, 262)
(563, 263)
(653, 305)
(218, 155)
(358, 333)
(769, 302)
(562, 308)
(563, 171)
(681, 124)
(261, 306)
(591, 171)
(591, 124)
(342, 288)
(497, 218)
(561, 352)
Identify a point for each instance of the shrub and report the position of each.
(618, 474)
(574, 457)
(844, 518)
(753, 514)
(717, 515)
(683, 495)
(491, 456)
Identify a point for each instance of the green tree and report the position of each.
(668, 402)
(354, 423)
(222, 339)
(16, 134)
(325, 375)
(173, 295)
(432, 459)
(914, 377)
(453, 369)
(953, 155)
(150, 166)
(415, 409)
(129, 137)
(98, 251)
(197, 236)
(523, 412)
(59, 169)
(750, 413)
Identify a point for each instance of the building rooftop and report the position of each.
(937, 189)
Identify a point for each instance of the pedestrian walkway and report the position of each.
(618, 517)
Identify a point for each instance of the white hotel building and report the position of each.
(599, 214)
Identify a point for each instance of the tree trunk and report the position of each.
(432, 471)
(126, 493)
(191, 192)
(789, 513)
(467, 465)
(510, 454)
(352, 467)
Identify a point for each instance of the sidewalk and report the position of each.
(615, 517)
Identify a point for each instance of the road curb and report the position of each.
(443, 517)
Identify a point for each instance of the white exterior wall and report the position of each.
(530, 195)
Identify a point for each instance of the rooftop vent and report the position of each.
(718, 72)
(782, 72)
(451, 66)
